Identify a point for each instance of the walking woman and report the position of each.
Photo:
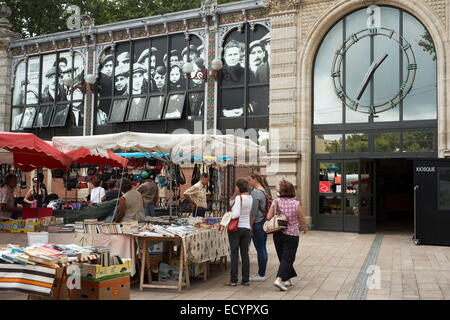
(240, 239)
(257, 219)
(286, 240)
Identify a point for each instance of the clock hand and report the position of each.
(369, 74)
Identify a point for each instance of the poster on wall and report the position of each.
(324, 186)
(60, 115)
(64, 68)
(175, 106)
(19, 84)
(259, 55)
(28, 117)
(32, 96)
(137, 109)
(155, 108)
(44, 116)
(16, 118)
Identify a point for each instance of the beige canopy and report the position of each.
(180, 146)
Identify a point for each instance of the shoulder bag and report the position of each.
(279, 221)
(233, 225)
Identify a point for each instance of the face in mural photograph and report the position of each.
(233, 72)
(175, 77)
(139, 82)
(121, 80)
(106, 67)
(123, 59)
(160, 77)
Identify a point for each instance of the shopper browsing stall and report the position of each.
(196, 195)
(131, 204)
(150, 193)
(113, 192)
(35, 194)
(7, 208)
(98, 192)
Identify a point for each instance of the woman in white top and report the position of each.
(241, 238)
(98, 192)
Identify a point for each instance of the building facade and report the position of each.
(344, 93)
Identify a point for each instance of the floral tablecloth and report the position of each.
(207, 245)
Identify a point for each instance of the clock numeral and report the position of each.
(339, 52)
(354, 105)
(354, 38)
(391, 34)
(405, 88)
(340, 92)
(336, 74)
(392, 103)
(406, 46)
(371, 110)
(373, 31)
(412, 66)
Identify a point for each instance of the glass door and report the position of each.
(351, 195)
(330, 195)
(367, 210)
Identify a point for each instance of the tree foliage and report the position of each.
(38, 17)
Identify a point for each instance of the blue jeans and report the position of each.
(149, 210)
(259, 240)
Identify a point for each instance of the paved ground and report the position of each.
(328, 265)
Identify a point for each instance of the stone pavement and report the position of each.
(328, 265)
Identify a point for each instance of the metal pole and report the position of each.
(170, 191)
(416, 187)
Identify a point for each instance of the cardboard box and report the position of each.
(117, 288)
(5, 226)
(96, 271)
(156, 248)
(155, 259)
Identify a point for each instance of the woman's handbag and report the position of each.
(233, 225)
(279, 221)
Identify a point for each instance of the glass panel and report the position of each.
(122, 70)
(232, 103)
(137, 109)
(33, 80)
(258, 57)
(158, 68)
(418, 141)
(140, 68)
(60, 115)
(387, 142)
(328, 143)
(351, 206)
(44, 116)
(366, 206)
(155, 108)
(327, 106)
(103, 109)
(444, 189)
(177, 77)
(258, 101)
(16, 118)
(175, 106)
(387, 76)
(105, 74)
(76, 115)
(357, 142)
(366, 191)
(196, 57)
(351, 178)
(233, 72)
(28, 117)
(421, 102)
(118, 111)
(64, 71)
(330, 177)
(330, 205)
(357, 64)
(19, 84)
(48, 90)
(196, 105)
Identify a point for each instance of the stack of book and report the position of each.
(61, 228)
(104, 255)
(79, 226)
(130, 227)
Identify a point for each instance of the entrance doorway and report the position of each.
(394, 185)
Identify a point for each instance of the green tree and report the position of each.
(427, 44)
(38, 17)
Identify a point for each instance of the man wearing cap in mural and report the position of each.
(193, 54)
(160, 78)
(49, 93)
(106, 70)
(175, 58)
(20, 98)
(123, 59)
(150, 193)
(140, 86)
(121, 80)
(259, 68)
(143, 59)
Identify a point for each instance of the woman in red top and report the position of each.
(286, 240)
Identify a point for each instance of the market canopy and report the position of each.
(94, 157)
(194, 158)
(181, 147)
(29, 152)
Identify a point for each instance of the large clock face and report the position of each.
(354, 100)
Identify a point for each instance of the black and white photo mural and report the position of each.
(39, 90)
(245, 76)
(143, 80)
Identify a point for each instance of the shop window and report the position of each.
(418, 141)
(44, 116)
(149, 73)
(357, 142)
(330, 205)
(387, 142)
(328, 143)
(60, 116)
